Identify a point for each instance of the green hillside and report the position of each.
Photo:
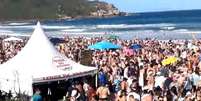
(44, 9)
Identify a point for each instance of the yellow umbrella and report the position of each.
(169, 60)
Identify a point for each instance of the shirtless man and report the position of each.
(103, 93)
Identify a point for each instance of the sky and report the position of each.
(154, 5)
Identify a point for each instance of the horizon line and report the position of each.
(160, 11)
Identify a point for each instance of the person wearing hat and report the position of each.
(135, 95)
(147, 97)
(188, 96)
(132, 98)
(75, 95)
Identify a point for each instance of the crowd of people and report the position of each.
(127, 74)
(140, 75)
(9, 48)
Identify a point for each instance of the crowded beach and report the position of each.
(130, 70)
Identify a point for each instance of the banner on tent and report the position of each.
(64, 76)
(61, 63)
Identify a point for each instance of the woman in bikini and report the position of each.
(103, 93)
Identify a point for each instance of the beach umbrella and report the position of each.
(12, 39)
(103, 45)
(169, 60)
(56, 40)
(136, 46)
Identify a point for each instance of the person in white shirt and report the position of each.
(159, 80)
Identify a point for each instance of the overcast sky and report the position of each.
(155, 5)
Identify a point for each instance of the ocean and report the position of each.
(159, 25)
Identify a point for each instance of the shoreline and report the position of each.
(47, 19)
(95, 35)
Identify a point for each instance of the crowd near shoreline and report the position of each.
(143, 73)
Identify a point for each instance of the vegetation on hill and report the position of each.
(45, 9)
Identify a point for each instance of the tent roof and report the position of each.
(39, 61)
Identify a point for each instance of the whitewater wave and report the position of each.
(161, 25)
(190, 32)
(10, 27)
(181, 31)
(73, 30)
(17, 24)
(5, 31)
(57, 27)
(168, 28)
(15, 34)
(112, 26)
(79, 33)
(33, 26)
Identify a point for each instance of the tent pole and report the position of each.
(96, 80)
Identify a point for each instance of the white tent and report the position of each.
(38, 61)
(12, 39)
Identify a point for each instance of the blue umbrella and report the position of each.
(136, 46)
(56, 40)
(104, 45)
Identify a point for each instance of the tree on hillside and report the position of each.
(31, 9)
